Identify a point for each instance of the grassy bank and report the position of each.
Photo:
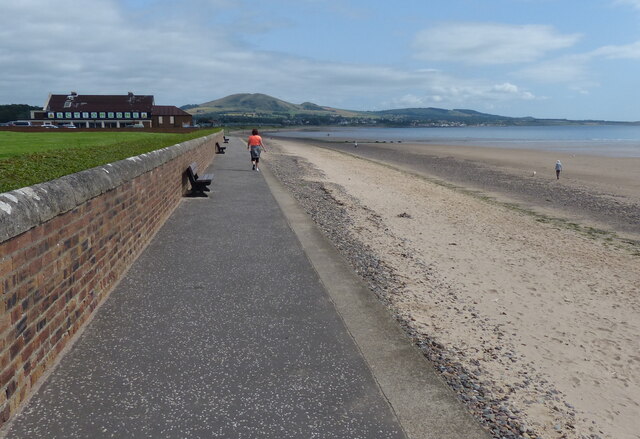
(30, 158)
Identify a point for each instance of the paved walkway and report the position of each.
(240, 321)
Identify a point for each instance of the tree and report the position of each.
(16, 112)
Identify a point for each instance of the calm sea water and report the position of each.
(603, 140)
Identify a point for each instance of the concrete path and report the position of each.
(240, 321)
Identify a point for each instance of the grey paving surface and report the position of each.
(222, 328)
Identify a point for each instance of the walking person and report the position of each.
(558, 169)
(255, 146)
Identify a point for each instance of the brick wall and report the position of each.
(63, 246)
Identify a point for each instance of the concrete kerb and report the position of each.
(421, 400)
(22, 209)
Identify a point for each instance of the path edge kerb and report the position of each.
(25, 208)
(424, 405)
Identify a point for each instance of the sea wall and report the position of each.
(64, 245)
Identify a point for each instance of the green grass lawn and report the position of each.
(30, 158)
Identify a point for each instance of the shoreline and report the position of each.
(533, 325)
(597, 144)
(525, 178)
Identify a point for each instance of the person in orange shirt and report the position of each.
(255, 146)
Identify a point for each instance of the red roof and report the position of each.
(168, 110)
(76, 102)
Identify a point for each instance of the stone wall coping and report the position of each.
(25, 208)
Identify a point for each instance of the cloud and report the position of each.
(110, 50)
(629, 51)
(102, 49)
(485, 43)
(412, 101)
(489, 92)
(454, 93)
(508, 90)
(569, 69)
(577, 70)
(634, 3)
(114, 47)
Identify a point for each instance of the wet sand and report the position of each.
(532, 320)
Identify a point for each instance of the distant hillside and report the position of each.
(245, 102)
(16, 112)
(256, 108)
(470, 117)
(255, 103)
(252, 108)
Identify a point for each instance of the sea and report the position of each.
(600, 140)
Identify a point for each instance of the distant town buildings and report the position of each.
(109, 111)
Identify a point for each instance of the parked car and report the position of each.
(21, 123)
(50, 126)
(68, 125)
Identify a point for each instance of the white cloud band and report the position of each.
(486, 43)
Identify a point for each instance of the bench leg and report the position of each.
(198, 191)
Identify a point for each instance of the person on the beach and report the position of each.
(255, 146)
(558, 169)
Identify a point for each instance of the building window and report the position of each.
(85, 115)
(127, 115)
(136, 115)
(59, 115)
(76, 115)
(171, 120)
(160, 120)
(144, 114)
(51, 115)
(103, 115)
(94, 115)
(67, 115)
(67, 104)
(118, 115)
(111, 114)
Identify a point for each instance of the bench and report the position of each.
(198, 184)
(220, 149)
(226, 139)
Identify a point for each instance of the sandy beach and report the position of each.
(522, 290)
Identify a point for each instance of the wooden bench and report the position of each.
(226, 139)
(198, 184)
(220, 149)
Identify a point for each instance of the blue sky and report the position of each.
(575, 59)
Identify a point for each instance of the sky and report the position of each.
(573, 59)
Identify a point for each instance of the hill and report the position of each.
(257, 108)
(245, 102)
(469, 117)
